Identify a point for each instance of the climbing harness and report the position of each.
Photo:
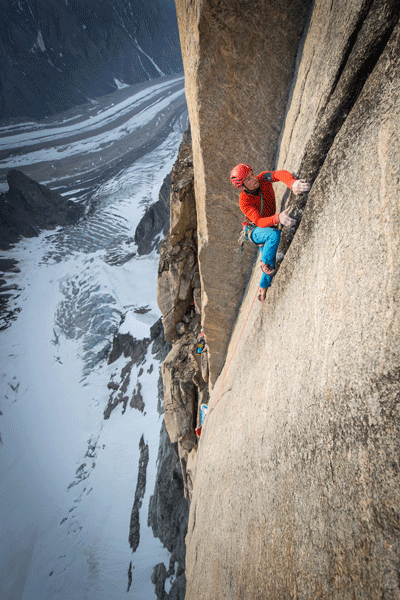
(248, 228)
(245, 235)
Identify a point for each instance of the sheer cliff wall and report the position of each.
(239, 59)
(296, 489)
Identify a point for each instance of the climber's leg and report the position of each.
(270, 238)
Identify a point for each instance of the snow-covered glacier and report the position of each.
(68, 476)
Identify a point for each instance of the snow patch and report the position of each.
(40, 41)
(136, 325)
(120, 84)
(157, 68)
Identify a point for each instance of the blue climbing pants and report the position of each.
(270, 238)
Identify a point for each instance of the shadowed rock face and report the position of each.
(178, 283)
(134, 527)
(184, 371)
(168, 507)
(168, 516)
(154, 221)
(28, 207)
(311, 128)
(296, 491)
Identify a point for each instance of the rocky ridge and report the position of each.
(25, 210)
(168, 517)
(155, 221)
(168, 507)
(29, 207)
(184, 370)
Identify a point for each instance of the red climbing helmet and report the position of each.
(239, 174)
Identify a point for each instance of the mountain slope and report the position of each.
(56, 54)
(76, 402)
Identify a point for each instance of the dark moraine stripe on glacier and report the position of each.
(101, 174)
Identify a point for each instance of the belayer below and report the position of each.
(257, 202)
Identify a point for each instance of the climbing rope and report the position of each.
(233, 354)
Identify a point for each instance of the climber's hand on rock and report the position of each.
(300, 186)
(285, 219)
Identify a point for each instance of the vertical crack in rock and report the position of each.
(376, 22)
(349, 46)
(366, 45)
(134, 528)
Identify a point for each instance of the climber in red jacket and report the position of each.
(257, 202)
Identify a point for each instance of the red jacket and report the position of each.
(250, 203)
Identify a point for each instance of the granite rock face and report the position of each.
(296, 476)
(239, 60)
(178, 282)
(311, 126)
(182, 201)
(184, 392)
(28, 207)
(179, 298)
